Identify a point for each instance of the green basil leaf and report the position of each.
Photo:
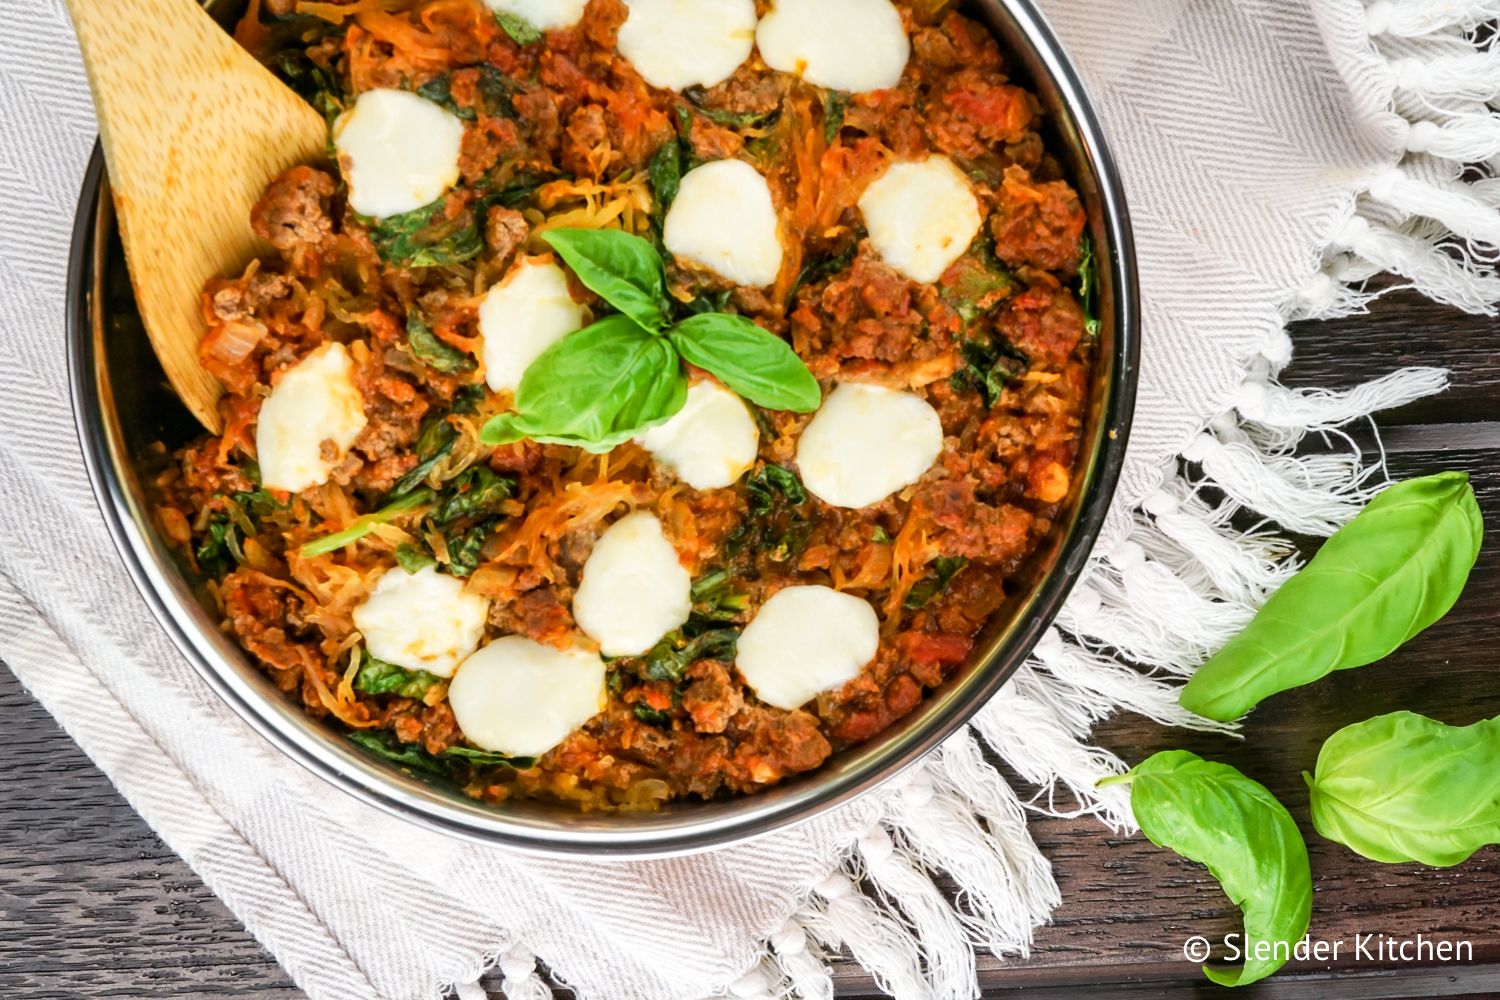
(434, 352)
(413, 558)
(752, 361)
(1382, 578)
(1212, 814)
(595, 389)
(520, 30)
(624, 269)
(1402, 787)
(379, 677)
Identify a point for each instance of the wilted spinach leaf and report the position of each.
(822, 266)
(988, 367)
(409, 756)
(220, 551)
(413, 558)
(651, 716)
(487, 758)
(313, 84)
(670, 658)
(521, 31)
(379, 677)
(777, 522)
(944, 569)
(362, 526)
(1088, 285)
(665, 174)
(433, 351)
(438, 91)
(715, 599)
(975, 284)
(412, 757)
(476, 490)
(464, 548)
(424, 238)
(697, 96)
(835, 106)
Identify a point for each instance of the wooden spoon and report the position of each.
(194, 128)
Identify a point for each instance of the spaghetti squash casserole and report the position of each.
(644, 400)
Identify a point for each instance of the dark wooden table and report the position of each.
(93, 905)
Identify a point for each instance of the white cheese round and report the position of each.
(723, 219)
(634, 588)
(398, 151)
(921, 216)
(676, 44)
(544, 15)
(422, 621)
(523, 316)
(849, 45)
(315, 401)
(521, 698)
(806, 640)
(711, 441)
(866, 442)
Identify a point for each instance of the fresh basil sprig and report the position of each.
(595, 389)
(1385, 576)
(1211, 813)
(1403, 787)
(753, 362)
(623, 270)
(603, 385)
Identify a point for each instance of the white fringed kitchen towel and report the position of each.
(1277, 153)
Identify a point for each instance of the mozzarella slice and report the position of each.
(522, 317)
(398, 151)
(676, 44)
(710, 442)
(867, 442)
(921, 216)
(521, 698)
(544, 15)
(313, 403)
(724, 220)
(806, 640)
(634, 589)
(851, 45)
(422, 621)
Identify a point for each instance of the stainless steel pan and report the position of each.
(123, 409)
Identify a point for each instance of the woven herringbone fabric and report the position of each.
(1246, 154)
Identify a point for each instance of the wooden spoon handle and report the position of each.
(193, 129)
